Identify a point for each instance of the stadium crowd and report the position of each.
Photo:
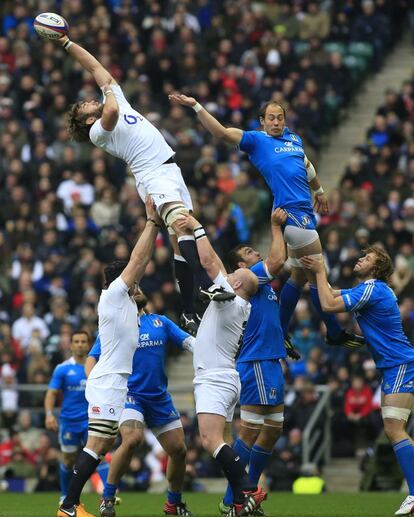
(67, 208)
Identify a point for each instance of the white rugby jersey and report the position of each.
(134, 139)
(118, 330)
(218, 335)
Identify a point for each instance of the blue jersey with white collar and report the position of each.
(148, 377)
(376, 310)
(263, 336)
(70, 378)
(280, 160)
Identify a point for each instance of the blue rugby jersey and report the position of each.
(70, 378)
(280, 160)
(376, 310)
(263, 336)
(148, 376)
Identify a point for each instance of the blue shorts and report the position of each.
(72, 435)
(301, 218)
(157, 412)
(398, 379)
(262, 383)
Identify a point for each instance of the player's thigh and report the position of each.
(211, 427)
(173, 441)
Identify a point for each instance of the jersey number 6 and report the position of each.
(131, 119)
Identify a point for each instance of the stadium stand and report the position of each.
(66, 208)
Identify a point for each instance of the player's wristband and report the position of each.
(49, 413)
(154, 222)
(319, 191)
(197, 107)
(67, 44)
(199, 232)
(108, 92)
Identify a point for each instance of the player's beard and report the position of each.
(141, 300)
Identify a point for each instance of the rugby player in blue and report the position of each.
(148, 401)
(279, 156)
(376, 310)
(258, 362)
(69, 378)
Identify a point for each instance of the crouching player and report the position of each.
(376, 310)
(149, 402)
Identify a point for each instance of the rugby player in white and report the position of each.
(115, 126)
(106, 387)
(216, 381)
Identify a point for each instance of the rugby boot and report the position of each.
(78, 510)
(216, 293)
(176, 509)
(107, 507)
(347, 340)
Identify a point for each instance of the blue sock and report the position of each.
(109, 491)
(258, 461)
(332, 325)
(173, 497)
(102, 470)
(404, 450)
(289, 297)
(244, 452)
(65, 475)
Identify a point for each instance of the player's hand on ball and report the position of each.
(51, 423)
(320, 204)
(279, 217)
(179, 98)
(312, 263)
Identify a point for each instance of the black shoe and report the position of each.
(107, 507)
(176, 509)
(190, 323)
(216, 293)
(290, 349)
(347, 339)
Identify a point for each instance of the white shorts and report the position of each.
(165, 184)
(106, 396)
(217, 393)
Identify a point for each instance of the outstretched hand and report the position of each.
(320, 204)
(279, 217)
(187, 222)
(151, 210)
(314, 264)
(179, 98)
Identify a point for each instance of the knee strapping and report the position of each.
(171, 214)
(251, 418)
(397, 413)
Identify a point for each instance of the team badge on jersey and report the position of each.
(273, 393)
(305, 220)
(157, 323)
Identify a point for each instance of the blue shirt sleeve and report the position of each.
(56, 382)
(248, 141)
(261, 272)
(95, 351)
(175, 334)
(358, 297)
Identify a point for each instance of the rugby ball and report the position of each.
(50, 25)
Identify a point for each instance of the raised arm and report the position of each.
(87, 61)
(231, 135)
(208, 257)
(277, 253)
(142, 252)
(329, 302)
(320, 204)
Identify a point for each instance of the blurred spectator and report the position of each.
(24, 326)
(9, 396)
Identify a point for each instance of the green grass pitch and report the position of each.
(203, 505)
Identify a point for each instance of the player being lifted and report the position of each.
(115, 126)
(376, 309)
(69, 378)
(278, 154)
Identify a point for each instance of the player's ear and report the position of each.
(90, 120)
(237, 284)
(261, 120)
